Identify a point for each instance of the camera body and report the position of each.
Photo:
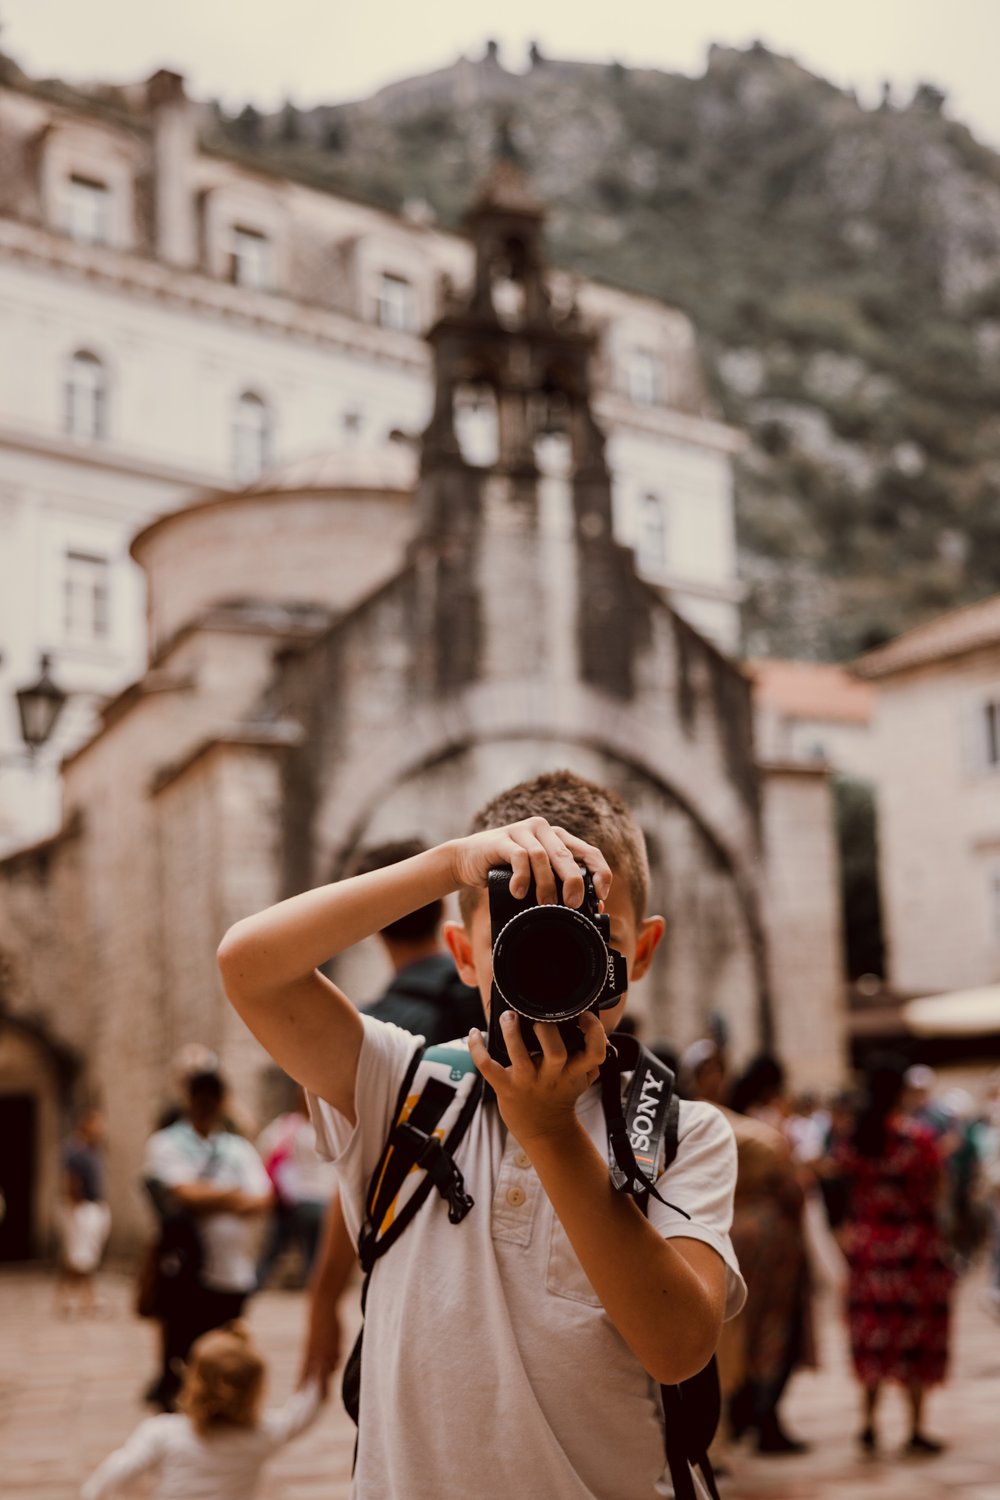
(550, 963)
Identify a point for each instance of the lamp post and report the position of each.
(39, 707)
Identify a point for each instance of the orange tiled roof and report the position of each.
(811, 690)
(961, 630)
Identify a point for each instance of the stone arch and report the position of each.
(527, 710)
(724, 877)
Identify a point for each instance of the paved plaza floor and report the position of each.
(69, 1393)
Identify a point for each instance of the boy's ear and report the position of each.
(460, 947)
(650, 932)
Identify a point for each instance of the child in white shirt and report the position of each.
(215, 1447)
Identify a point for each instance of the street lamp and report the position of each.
(39, 706)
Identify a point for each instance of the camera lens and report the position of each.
(550, 963)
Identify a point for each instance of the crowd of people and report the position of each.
(886, 1193)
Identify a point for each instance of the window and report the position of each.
(86, 596)
(477, 424)
(252, 258)
(991, 733)
(85, 397)
(87, 210)
(251, 438)
(651, 545)
(396, 305)
(642, 377)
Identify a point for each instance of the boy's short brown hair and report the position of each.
(592, 812)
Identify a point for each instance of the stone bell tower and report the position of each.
(486, 531)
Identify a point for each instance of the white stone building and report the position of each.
(174, 320)
(814, 712)
(936, 734)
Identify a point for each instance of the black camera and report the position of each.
(550, 963)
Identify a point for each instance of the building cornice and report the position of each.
(105, 456)
(817, 769)
(126, 272)
(728, 591)
(621, 415)
(281, 734)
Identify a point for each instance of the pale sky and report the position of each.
(330, 50)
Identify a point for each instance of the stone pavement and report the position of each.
(68, 1394)
(822, 1407)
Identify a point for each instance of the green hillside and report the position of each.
(842, 266)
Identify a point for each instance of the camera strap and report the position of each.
(642, 1143)
(642, 1128)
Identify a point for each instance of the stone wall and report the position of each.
(805, 940)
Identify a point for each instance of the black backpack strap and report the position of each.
(691, 1413)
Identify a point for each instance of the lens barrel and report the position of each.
(550, 963)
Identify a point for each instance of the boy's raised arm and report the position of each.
(270, 968)
(270, 962)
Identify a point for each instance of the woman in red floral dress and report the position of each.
(899, 1288)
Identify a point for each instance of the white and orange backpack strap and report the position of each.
(436, 1102)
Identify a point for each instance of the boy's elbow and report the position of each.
(234, 957)
(682, 1364)
(681, 1356)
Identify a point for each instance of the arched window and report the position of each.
(251, 438)
(85, 396)
(651, 542)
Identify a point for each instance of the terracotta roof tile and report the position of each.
(961, 630)
(811, 690)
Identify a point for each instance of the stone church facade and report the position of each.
(305, 695)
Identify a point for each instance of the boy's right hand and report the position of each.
(532, 848)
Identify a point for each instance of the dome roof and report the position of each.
(388, 468)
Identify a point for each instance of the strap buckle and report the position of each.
(440, 1167)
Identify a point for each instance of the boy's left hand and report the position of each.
(537, 1095)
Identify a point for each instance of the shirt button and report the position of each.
(522, 1159)
(515, 1196)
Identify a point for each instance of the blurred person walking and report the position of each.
(425, 996)
(84, 1217)
(303, 1186)
(208, 1186)
(760, 1348)
(899, 1281)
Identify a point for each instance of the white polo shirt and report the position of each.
(490, 1367)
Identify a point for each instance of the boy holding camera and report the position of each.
(535, 1332)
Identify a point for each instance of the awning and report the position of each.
(961, 1013)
